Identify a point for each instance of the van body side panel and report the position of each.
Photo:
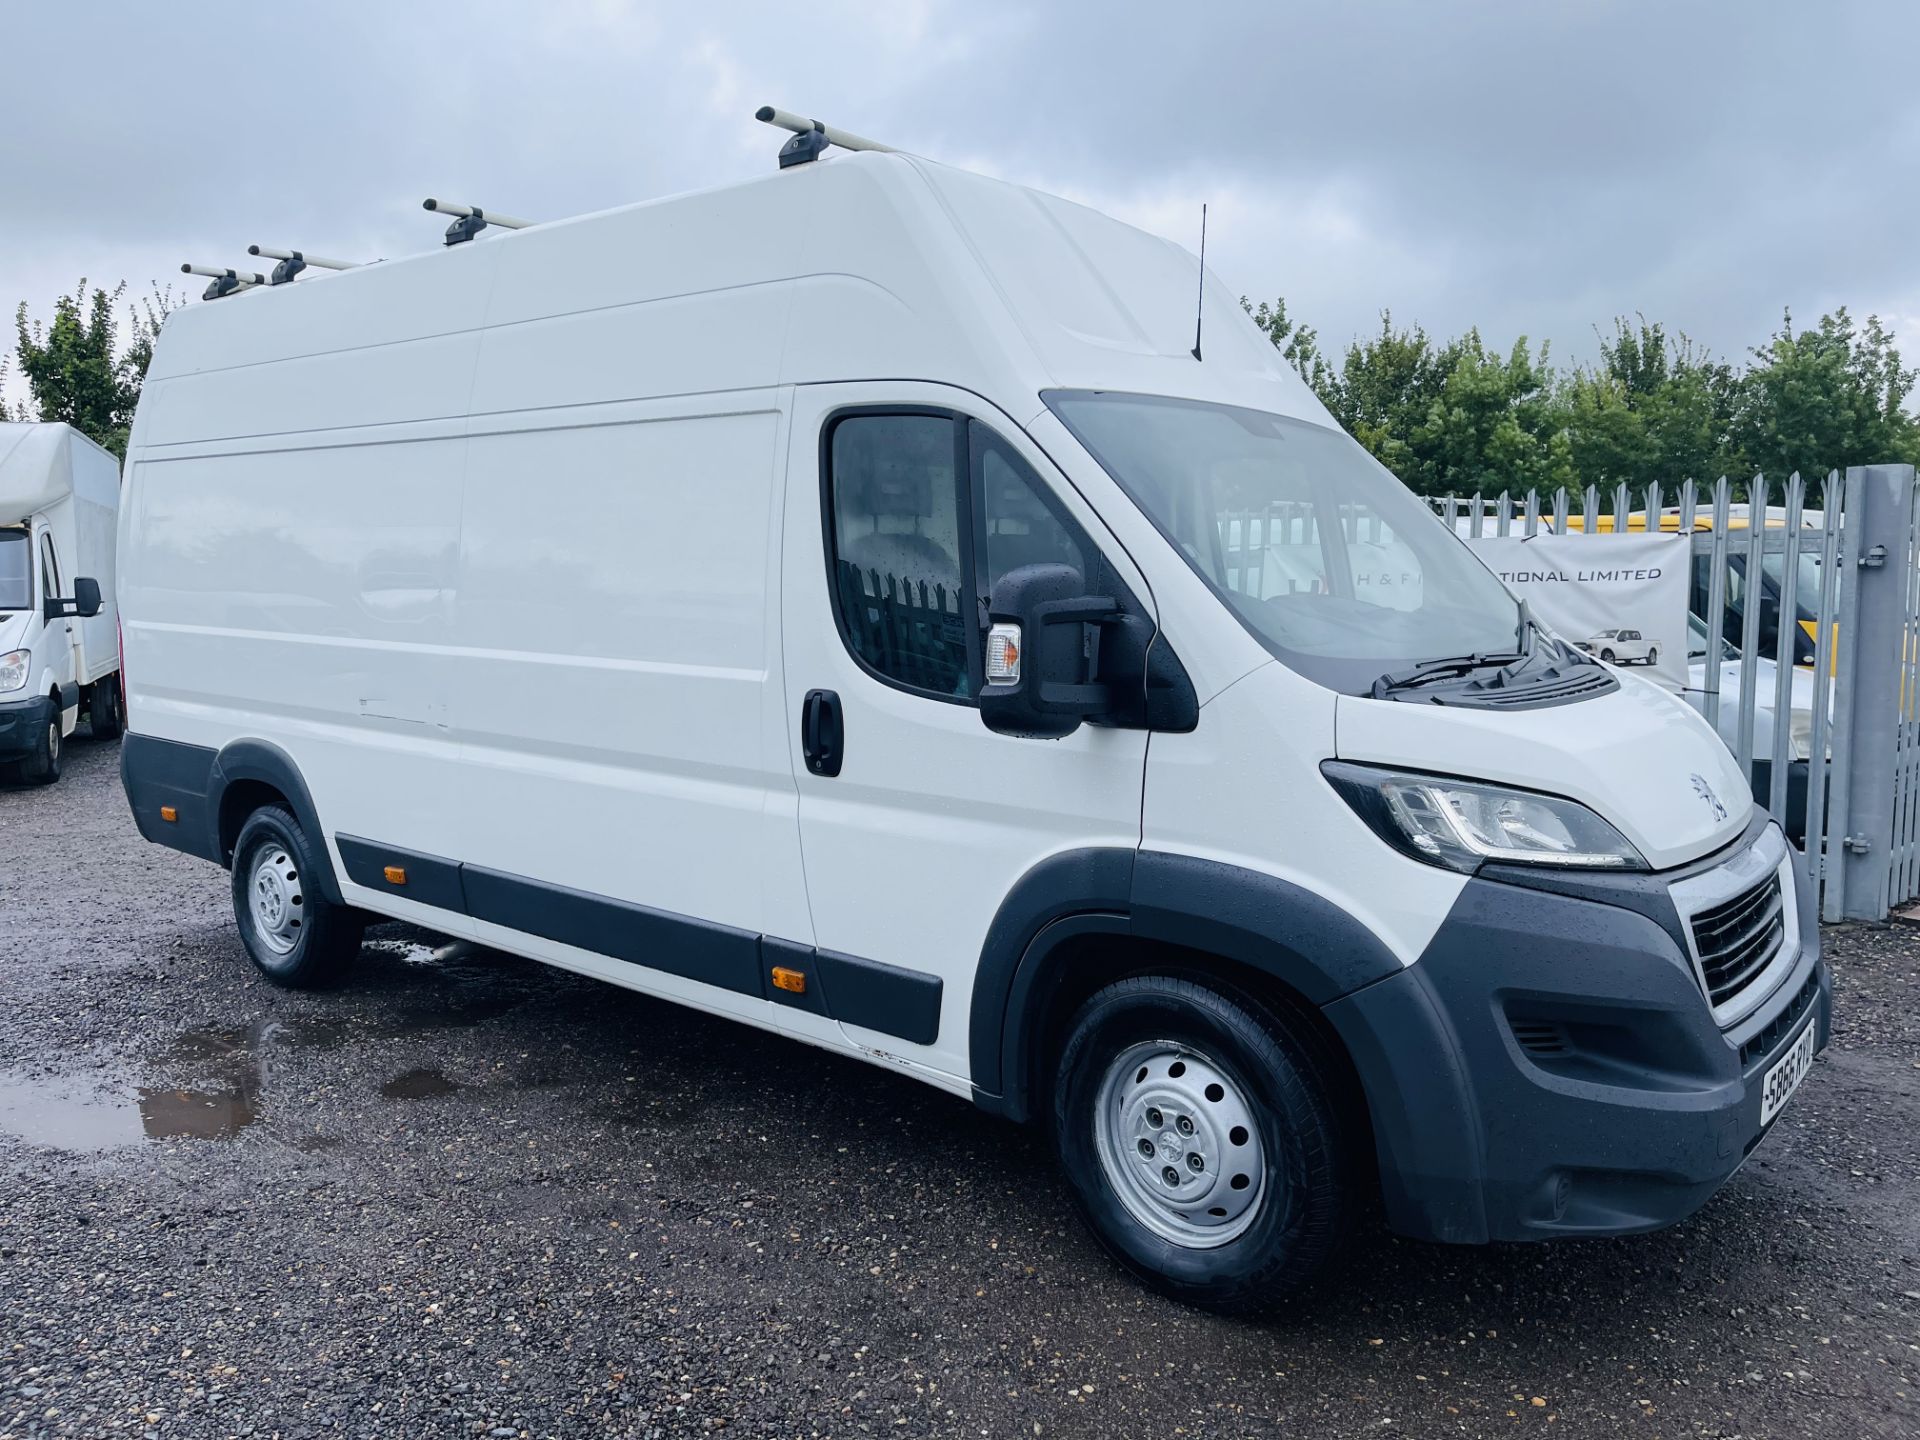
(304, 597)
(612, 669)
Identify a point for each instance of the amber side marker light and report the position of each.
(793, 980)
(396, 875)
(169, 814)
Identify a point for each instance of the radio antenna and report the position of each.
(1200, 301)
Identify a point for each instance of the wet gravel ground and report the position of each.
(472, 1196)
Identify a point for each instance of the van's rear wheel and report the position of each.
(296, 937)
(1204, 1141)
(104, 712)
(42, 765)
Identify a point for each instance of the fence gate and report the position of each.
(1831, 595)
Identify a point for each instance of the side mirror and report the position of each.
(85, 601)
(1043, 653)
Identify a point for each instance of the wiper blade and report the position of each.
(1428, 671)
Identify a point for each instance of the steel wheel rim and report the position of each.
(1176, 1139)
(275, 899)
(53, 742)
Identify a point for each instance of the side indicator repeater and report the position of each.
(169, 814)
(794, 981)
(396, 875)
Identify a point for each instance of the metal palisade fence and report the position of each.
(1824, 581)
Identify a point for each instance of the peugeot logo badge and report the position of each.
(1705, 792)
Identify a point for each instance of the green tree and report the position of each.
(1653, 409)
(1297, 343)
(1496, 425)
(1825, 398)
(76, 368)
(1387, 390)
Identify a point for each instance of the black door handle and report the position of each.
(822, 732)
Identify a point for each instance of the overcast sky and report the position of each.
(1528, 166)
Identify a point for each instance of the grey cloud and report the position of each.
(1530, 168)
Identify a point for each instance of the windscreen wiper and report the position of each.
(1427, 671)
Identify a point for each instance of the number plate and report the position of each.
(1787, 1073)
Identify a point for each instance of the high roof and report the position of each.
(865, 266)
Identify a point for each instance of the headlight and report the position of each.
(1800, 732)
(1460, 824)
(13, 669)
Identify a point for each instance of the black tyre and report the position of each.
(1653, 656)
(1207, 1140)
(296, 937)
(42, 764)
(1607, 655)
(104, 710)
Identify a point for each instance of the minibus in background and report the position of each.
(826, 602)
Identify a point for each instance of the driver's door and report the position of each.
(904, 502)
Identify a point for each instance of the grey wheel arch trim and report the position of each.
(1261, 921)
(270, 765)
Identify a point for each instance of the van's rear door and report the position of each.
(904, 502)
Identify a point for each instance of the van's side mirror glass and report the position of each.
(86, 596)
(1043, 640)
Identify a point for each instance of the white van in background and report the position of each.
(811, 601)
(59, 641)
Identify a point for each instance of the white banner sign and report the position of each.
(1622, 597)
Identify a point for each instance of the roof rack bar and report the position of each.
(292, 262)
(470, 220)
(810, 137)
(225, 282)
(800, 124)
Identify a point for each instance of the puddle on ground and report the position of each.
(229, 1068)
(59, 1114)
(72, 1113)
(407, 952)
(418, 1085)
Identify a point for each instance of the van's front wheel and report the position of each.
(42, 765)
(1204, 1141)
(292, 933)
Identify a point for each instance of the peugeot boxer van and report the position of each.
(849, 602)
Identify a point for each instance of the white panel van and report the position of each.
(59, 630)
(845, 602)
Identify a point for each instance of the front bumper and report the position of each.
(21, 725)
(1550, 1066)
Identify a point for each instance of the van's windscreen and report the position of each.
(1332, 563)
(16, 571)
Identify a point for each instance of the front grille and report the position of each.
(1777, 1028)
(1734, 941)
